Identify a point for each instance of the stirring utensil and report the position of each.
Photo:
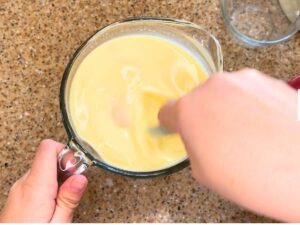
(159, 131)
(159, 97)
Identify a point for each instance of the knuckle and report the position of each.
(219, 77)
(67, 202)
(218, 80)
(223, 73)
(249, 71)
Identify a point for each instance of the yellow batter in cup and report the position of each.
(117, 91)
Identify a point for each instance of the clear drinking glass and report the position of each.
(261, 22)
(78, 155)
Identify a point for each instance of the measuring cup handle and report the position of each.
(71, 162)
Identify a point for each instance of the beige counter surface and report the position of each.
(37, 38)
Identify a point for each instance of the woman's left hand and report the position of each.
(36, 197)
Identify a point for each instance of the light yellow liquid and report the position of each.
(116, 94)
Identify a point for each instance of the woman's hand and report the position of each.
(242, 136)
(36, 196)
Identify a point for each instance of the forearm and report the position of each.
(265, 181)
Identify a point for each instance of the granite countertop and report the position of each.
(37, 38)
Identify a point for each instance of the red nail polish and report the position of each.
(295, 82)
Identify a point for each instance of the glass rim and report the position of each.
(73, 137)
(251, 42)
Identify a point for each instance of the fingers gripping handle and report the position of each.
(71, 162)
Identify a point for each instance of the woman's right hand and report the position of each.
(242, 136)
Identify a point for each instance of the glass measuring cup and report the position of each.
(78, 155)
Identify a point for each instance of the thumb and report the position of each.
(168, 115)
(68, 198)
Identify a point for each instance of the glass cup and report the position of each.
(78, 155)
(261, 22)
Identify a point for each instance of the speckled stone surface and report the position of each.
(37, 38)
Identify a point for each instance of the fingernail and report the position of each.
(78, 183)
